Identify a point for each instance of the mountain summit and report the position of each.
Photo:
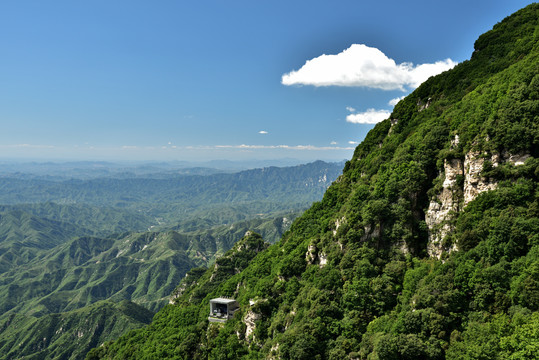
(427, 246)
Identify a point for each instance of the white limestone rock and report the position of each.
(441, 208)
(454, 197)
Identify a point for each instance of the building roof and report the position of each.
(223, 300)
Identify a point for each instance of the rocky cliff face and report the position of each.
(443, 206)
(250, 319)
(474, 183)
(462, 183)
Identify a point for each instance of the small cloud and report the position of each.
(333, 143)
(352, 142)
(285, 147)
(371, 116)
(262, 132)
(30, 146)
(350, 109)
(363, 66)
(395, 101)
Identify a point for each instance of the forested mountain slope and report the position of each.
(427, 246)
(97, 221)
(44, 302)
(68, 335)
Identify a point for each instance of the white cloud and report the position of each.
(352, 142)
(395, 101)
(262, 132)
(333, 143)
(363, 66)
(286, 147)
(29, 146)
(350, 109)
(371, 116)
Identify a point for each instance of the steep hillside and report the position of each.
(98, 221)
(65, 282)
(427, 246)
(23, 236)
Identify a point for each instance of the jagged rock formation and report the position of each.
(474, 182)
(462, 183)
(250, 322)
(313, 256)
(250, 319)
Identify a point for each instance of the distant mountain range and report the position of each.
(85, 170)
(114, 249)
(222, 198)
(69, 335)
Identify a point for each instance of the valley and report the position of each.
(70, 248)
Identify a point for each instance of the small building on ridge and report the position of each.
(222, 309)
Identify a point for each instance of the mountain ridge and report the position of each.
(219, 198)
(69, 279)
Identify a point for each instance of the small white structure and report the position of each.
(222, 309)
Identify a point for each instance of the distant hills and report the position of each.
(118, 281)
(141, 267)
(115, 248)
(221, 198)
(85, 170)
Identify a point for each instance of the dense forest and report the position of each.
(427, 246)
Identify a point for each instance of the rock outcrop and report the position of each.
(313, 256)
(463, 182)
(474, 183)
(250, 322)
(442, 207)
(250, 319)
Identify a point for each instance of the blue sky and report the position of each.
(202, 80)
